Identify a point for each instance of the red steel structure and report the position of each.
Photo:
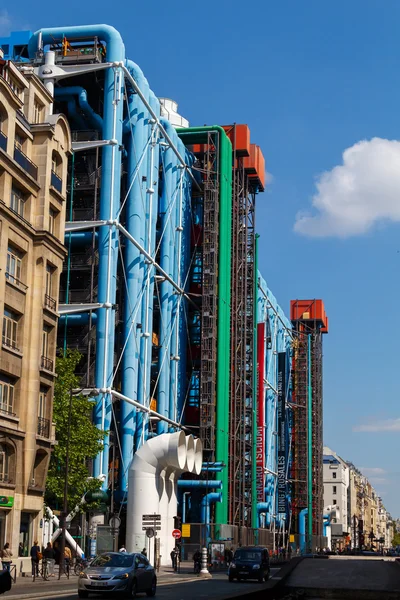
(309, 322)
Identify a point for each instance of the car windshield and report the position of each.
(248, 555)
(113, 560)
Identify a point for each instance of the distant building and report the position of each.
(33, 176)
(336, 484)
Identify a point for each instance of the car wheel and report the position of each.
(83, 594)
(152, 591)
(133, 589)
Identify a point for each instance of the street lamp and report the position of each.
(88, 392)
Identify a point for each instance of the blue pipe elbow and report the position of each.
(199, 483)
(263, 508)
(77, 319)
(94, 119)
(208, 499)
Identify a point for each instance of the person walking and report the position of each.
(50, 556)
(67, 558)
(174, 558)
(6, 555)
(35, 554)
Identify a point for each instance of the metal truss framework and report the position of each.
(307, 379)
(242, 394)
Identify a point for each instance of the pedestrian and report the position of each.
(20, 549)
(144, 552)
(122, 549)
(35, 557)
(50, 556)
(6, 555)
(67, 558)
(174, 558)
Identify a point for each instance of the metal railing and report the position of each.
(49, 302)
(16, 281)
(43, 427)
(56, 181)
(3, 141)
(6, 410)
(25, 162)
(47, 363)
(10, 344)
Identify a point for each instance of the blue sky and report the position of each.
(312, 79)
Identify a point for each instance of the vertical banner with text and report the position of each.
(281, 423)
(260, 443)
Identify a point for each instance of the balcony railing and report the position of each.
(56, 181)
(10, 344)
(7, 410)
(25, 162)
(50, 303)
(3, 141)
(43, 427)
(16, 281)
(47, 363)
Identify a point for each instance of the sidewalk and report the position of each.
(25, 588)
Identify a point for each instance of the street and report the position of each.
(170, 589)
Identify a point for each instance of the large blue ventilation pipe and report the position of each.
(109, 203)
(199, 484)
(206, 502)
(76, 91)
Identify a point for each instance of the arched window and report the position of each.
(40, 469)
(7, 462)
(3, 128)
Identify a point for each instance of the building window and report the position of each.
(19, 141)
(18, 200)
(45, 341)
(6, 397)
(14, 265)
(42, 404)
(37, 112)
(10, 329)
(14, 85)
(334, 489)
(52, 221)
(334, 501)
(334, 474)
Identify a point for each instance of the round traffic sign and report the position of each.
(176, 534)
(114, 522)
(150, 532)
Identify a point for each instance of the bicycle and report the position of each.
(41, 571)
(80, 565)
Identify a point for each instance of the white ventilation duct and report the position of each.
(152, 484)
(169, 109)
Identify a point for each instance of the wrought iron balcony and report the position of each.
(47, 363)
(16, 281)
(43, 427)
(10, 344)
(25, 162)
(50, 303)
(56, 182)
(7, 410)
(3, 141)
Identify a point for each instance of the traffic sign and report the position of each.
(151, 517)
(150, 532)
(176, 534)
(155, 527)
(115, 522)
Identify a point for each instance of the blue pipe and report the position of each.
(262, 508)
(74, 115)
(132, 316)
(218, 463)
(326, 523)
(208, 499)
(302, 529)
(199, 483)
(212, 469)
(65, 93)
(77, 319)
(81, 238)
(109, 203)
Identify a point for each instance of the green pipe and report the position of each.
(69, 248)
(309, 444)
(199, 135)
(254, 435)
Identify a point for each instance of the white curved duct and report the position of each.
(152, 483)
(198, 456)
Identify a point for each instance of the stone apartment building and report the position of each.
(34, 149)
(336, 483)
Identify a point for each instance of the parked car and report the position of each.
(118, 572)
(250, 562)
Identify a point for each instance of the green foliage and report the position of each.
(85, 442)
(396, 539)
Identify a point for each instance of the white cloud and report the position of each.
(5, 22)
(372, 471)
(269, 178)
(379, 426)
(354, 196)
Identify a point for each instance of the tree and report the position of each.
(396, 539)
(85, 442)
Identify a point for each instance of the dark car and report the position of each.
(118, 572)
(251, 562)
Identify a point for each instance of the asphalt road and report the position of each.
(216, 588)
